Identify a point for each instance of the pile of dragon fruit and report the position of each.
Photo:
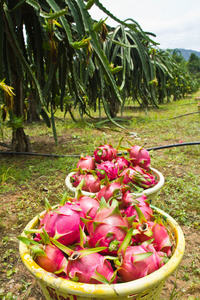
(107, 166)
(94, 241)
(110, 236)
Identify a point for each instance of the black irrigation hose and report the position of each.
(196, 112)
(174, 145)
(38, 154)
(77, 155)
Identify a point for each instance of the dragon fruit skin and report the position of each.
(121, 163)
(89, 206)
(105, 153)
(107, 168)
(115, 189)
(143, 178)
(132, 268)
(63, 223)
(108, 229)
(91, 184)
(53, 261)
(144, 207)
(128, 173)
(139, 156)
(86, 163)
(138, 176)
(160, 235)
(83, 268)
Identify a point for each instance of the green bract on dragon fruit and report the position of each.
(129, 170)
(100, 239)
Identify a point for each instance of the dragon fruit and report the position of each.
(51, 259)
(63, 223)
(152, 230)
(140, 261)
(86, 163)
(108, 229)
(139, 156)
(155, 230)
(105, 153)
(91, 182)
(107, 168)
(93, 268)
(112, 189)
(143, 178)
(144, 206)
(121, 163)
(138, 176)
(89, 205)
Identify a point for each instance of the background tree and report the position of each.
(193, 64)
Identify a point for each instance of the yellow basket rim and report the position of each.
(106, 290)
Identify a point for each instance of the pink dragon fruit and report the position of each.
(140, 261)
(143, 178)
(152, 230)
(105, 153)
(93, 268)
(139, 156)
(89, 206)
(91, 182)
(128, 174)
(109, 190)
(144, 206)
(52, 260)
(63, 223)
(138, 176)
(108, 229)
(112, 189)
(107, 168)
(86, 163)
(121, 163)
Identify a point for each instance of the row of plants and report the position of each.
(55, 56)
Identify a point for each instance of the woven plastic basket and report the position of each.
(149, 287)
(151, 193)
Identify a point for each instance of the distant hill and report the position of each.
(186, 53)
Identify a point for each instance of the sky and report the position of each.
(176, 23)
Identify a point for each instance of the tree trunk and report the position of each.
(114, 107)
(32, 115)
(20, 141)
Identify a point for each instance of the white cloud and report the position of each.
(176, 23)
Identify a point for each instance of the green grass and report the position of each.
(25, 181)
